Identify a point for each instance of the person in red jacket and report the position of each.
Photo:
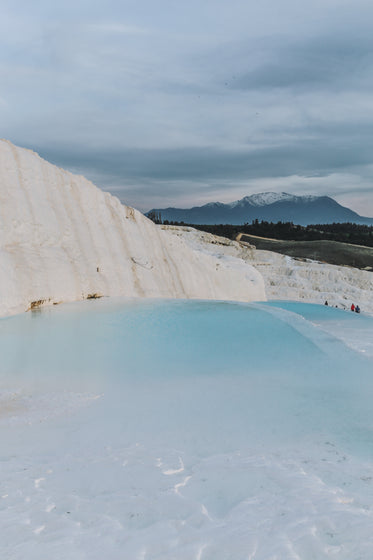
(352, 307)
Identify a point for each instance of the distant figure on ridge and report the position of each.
(357, 309)
(352, 307)
(326, 302)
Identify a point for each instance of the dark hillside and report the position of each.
(350, 233)
(332, 252)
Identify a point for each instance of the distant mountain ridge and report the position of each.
(267, 206)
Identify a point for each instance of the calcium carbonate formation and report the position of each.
(63, 239)
(286, 278)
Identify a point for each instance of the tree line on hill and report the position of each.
(343, 232)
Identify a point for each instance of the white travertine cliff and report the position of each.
(286, 278)
(63, 239)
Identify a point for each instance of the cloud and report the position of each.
(320, 62)
(192, 100)
(158, 178)
(318, 156)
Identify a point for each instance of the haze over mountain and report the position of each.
(268, 206)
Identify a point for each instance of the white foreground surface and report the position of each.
(63, 239)
(185, 430)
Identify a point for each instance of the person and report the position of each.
(352, 307)
(357, 309)
(326, 302)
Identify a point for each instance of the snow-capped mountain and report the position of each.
(268, 206)
(266, 198)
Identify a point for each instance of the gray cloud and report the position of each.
(169, 173)
(159, 99)
(321, 62)
(328, 148)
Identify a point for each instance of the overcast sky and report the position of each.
(169, 103)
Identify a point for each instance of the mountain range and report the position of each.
(267, 206)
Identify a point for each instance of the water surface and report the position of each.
(162, 430)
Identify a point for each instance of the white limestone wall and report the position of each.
(286, 278)
(311, 281)
(62, 239)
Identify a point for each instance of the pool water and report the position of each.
(180, 429)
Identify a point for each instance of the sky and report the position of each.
(168, 103)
